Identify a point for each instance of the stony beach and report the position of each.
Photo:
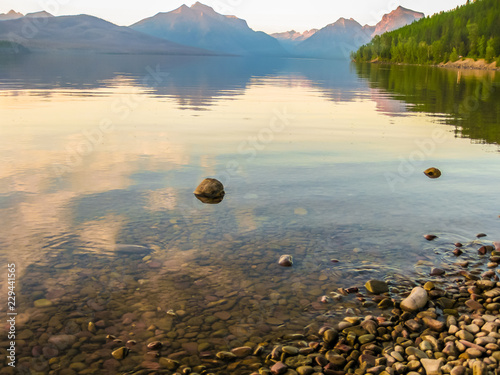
(447, 322)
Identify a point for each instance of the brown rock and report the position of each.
(279, 368)
(432, 172)
(286, 260)
(210, 188)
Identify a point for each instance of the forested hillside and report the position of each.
(471, 30)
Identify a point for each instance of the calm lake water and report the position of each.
(322, 160)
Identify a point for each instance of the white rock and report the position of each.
(416, 300)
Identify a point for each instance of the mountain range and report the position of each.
(85, 33)
(338, 39)
(200, 26)
(195, 30)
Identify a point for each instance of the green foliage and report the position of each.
(471, 30)
(469, 99)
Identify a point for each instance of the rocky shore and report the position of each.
(432, 331)
(134, 314)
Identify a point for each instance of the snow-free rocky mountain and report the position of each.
(338, 39)
(290, 39)
(12, 15)
(200, 26)
(86, 33)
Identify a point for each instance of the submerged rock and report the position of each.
(376, 286)
(416, 300)
(429, 237)
(432, 172)
(210, 188)
(286, 260)
(120, 353)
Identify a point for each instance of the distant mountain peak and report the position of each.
(11, 15)
(399, 17)
(202, 7)
(201, 26)
(41, 14)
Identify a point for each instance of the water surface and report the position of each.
(320, 159)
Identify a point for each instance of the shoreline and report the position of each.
(464, 64)
(452, 329)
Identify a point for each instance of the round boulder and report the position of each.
(210, 188)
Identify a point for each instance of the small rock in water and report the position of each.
(457, 252)
(437, 272)
(286, 260)
(458, 244)
(325, 299)
(484, 249)
(120, 353)
(92, 328)
(376, 286)
(432, 172)
(279, 368)
(210, 188)
(155, 345)
(42, 303)
(497, 246)
(429, 237)
(479, 235)
(416, 300)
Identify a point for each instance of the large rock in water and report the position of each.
(210, 188)
(416, 300)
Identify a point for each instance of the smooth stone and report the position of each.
(432, 366)
(416, 352)
(397, 356)
(223, 315)
(292, 350)
(304, 370)
(42, 303)
(429, 285)
(432, 172)
(168, 363)
(225, 355)
(120, 353)
(473, 305)
(365, 339)
(465, 335)
(62, 342)
(437, 272)
(458, 370)
(479, 368)
(433, 324)
(330, 336)
(474, 353)
(376, 286)
(279, 368)
(242, 351)
(210, 188)
(415, 301)
(286, 260)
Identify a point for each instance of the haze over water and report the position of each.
(320, 159)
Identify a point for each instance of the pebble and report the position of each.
(286, 260)
(120, 353)
(376, 286)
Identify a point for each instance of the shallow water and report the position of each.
(320, 159)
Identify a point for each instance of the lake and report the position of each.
(322, 160)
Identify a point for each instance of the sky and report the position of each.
(261, 15)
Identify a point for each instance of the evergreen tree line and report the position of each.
(471, 30)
